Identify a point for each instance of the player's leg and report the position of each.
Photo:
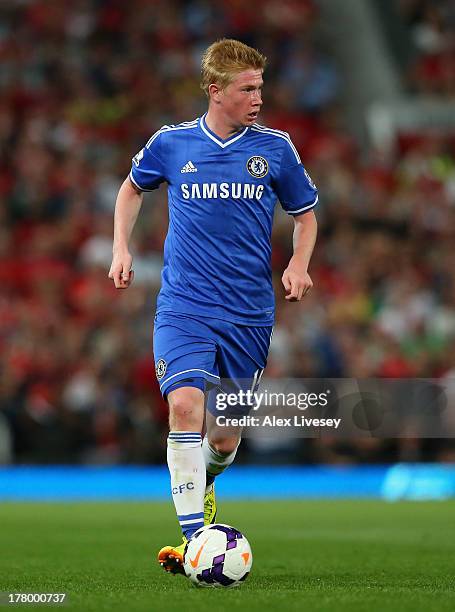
(184, 361)
(242, 357)
(219, 453)
(185, 457)
(192, 471)
(220, 450)
(186, 467)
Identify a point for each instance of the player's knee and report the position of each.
(186, 409)
(225, 446)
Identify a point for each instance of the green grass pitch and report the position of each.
(308, 555)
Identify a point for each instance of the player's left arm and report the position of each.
(296, 280)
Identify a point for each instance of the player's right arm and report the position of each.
(147, 173)
(127, 207)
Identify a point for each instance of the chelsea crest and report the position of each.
(257, 166)
(160, 368)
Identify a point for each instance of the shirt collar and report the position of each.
(219, 141)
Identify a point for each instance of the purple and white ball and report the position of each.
(218, 556)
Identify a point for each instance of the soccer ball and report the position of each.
(217, 556)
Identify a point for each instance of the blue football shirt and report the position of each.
(222, 195)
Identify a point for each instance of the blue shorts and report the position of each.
(202, 352)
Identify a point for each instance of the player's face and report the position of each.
(242, 98)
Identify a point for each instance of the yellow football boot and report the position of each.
(210, 506)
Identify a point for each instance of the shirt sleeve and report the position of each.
(295, 189)
(147, 168)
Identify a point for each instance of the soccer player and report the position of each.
(215, 310)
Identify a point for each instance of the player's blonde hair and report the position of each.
(224, 59)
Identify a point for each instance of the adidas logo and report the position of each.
(188, 167)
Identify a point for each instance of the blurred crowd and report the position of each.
(83, 86)
(431, 25)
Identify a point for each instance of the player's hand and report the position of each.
(121, 271)
(297, 282)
